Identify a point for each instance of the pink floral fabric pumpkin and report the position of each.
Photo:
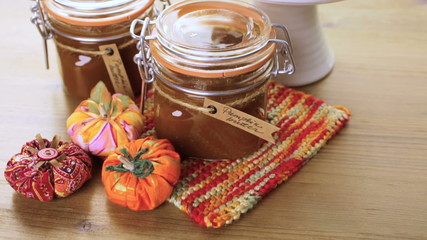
(44, 170)
(104, 121)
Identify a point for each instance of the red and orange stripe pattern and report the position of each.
(215, 193)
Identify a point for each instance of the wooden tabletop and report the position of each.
(369, 182)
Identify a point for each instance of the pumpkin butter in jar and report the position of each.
(79, 28)
(224, 51)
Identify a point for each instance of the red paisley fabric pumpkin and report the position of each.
(44, 170)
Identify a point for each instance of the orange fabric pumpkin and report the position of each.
(141, 174)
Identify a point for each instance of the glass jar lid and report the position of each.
(96, 12)
(215, 38)
(217, 28)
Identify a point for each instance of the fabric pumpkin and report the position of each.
(141, 174)
(103, 122)
(46, 169)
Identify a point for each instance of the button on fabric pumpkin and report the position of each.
(102, 122)
(44, 170)
(141, 174)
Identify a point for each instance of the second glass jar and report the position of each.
(218, 50)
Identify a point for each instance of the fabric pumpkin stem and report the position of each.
(140, 167)
(141, 174)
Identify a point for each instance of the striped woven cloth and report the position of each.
(215, 193)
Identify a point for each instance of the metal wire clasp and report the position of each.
(164, 5)
(143, 59)
(285, 50)
(40, 20)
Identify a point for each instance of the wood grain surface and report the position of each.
(369, 182)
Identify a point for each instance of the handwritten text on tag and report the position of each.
(241, 120)
(116, 70)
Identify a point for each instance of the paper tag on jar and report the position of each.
(116, 70)
(241, 120)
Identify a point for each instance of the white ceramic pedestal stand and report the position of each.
(313, 57)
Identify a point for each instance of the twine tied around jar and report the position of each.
(95, 53)
(209, 109)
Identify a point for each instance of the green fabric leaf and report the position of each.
(119, 104)
(93, 107)
(100, 94)
(116, 107)
(125, 100)
(141, 167)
